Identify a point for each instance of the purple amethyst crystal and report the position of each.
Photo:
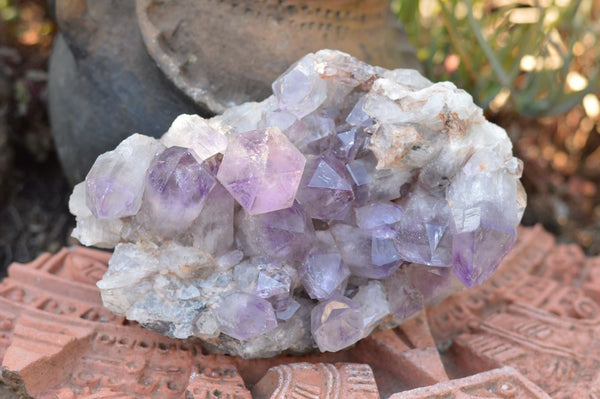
(434, 283)
(342, 204)
(378, 214)
(476, 253)
(423, 232)
(336, 324)
(482, 231)
(300, 90)
(323, 272)
(177, 187)
(325, 189)
(115, 184)
(403, 297)
(244, 316)
(347, 142)
(262, 169)
(368, 253)
(283, 234)
(276, 283)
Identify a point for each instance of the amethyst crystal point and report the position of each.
(434, 283)
(243, 316)
(275, 283)
(378, 214)
(371, 184)
(368, 253)
(102, 233)
(261, 169)
(477, 254)
(347, 142)
(423, 234)
(341, 204)
(176, 188)
(213, 228)
(404, 298)
(283, 234)
(313, 134)
(323, 272)
(336, 324)
(300, 90)
(115, 183)
(373, 304)
(484, 218)
(325, 189)
(358, 117)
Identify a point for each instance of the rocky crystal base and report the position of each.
(344, 203)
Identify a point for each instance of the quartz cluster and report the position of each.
(345, 202)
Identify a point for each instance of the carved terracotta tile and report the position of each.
(500, 383)
(542, 319)
(317, 380)
(531, 331)
(399, 363)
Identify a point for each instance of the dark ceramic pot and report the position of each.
(119, 67)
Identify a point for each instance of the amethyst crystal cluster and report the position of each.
(345, 202)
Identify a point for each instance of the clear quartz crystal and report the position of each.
(373, 304)
(341, 204)
(194, 132)
(115, 183)
(103, 233)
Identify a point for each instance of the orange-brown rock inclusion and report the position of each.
(531, 331)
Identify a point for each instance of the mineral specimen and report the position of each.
(343, 203)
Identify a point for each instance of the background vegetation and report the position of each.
(537, 58)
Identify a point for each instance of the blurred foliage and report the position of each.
(24, 23)
(535, 57)
(26, 36)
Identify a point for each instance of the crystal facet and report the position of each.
(284, 234)
(323, 272)
(193, 132)
(336, 323)
(261, 169)
(177, 187)
(244, 316)
(115, 184)
(325, 189)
